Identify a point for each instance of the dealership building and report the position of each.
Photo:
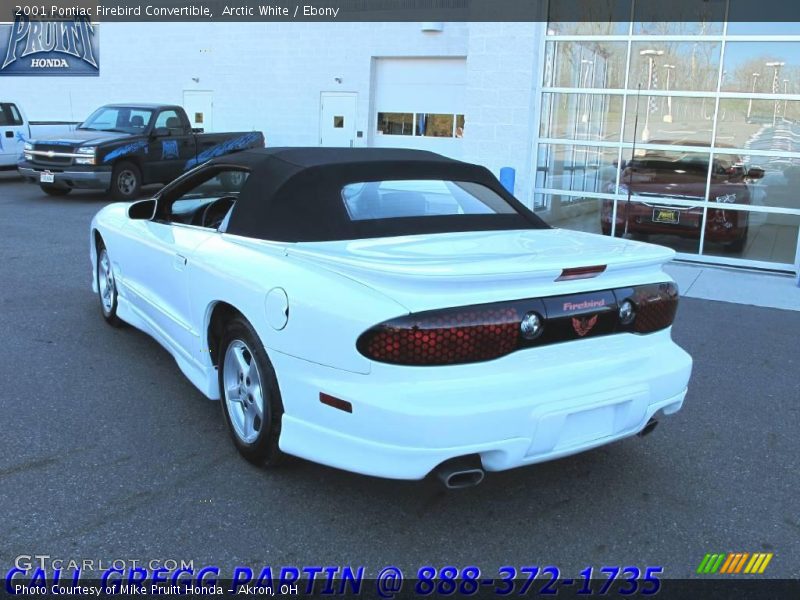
(699, 123)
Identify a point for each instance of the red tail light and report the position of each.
(469, 334)
(484, 332)
(656, 306)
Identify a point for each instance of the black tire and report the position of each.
(106, 287)
(263, 448)
(126, 181)
(54, 190)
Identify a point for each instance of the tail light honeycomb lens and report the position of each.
(470, 334)
(483, 332)
(656, 306)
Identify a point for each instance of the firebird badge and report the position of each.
(583, 326)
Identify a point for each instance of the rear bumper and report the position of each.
(719, 230)
(94, 178)
(533, 406)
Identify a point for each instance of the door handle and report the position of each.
(9, 134)
(180, 262)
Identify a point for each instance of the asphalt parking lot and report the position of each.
(108, 452)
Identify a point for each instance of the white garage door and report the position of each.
(419, 103)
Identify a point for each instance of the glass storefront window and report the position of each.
(767, 237)
(759, 124)
(396, 123)
(762, 67)
(743, 19)
(682, 17)
(654, 220)
(572, 212)
(670, 120)
(585, 64)
(585, 116)
(432, 125)
(577, 168)
(715, 121)
(665, 174)
(576, 17)
(770, 180)
(674, 66)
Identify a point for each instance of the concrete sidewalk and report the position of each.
(739, 286)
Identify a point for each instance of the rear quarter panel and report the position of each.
(327, 311)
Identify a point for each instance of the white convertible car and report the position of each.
(392, 312)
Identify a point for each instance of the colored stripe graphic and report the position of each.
(734, 563)
(710, 563)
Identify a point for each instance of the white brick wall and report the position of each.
(268, 76)
(265, 76)
(503, 72)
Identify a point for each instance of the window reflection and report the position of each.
(759, 124)
(576, 168)
(581, 116)
(667, 66)
(570, 212)
(745, 18)
(670, 120)
(762, 67)
(587, 64)
(434, 125)
(771, 180)
(656, 221)
(770, 237)
(396, 123)
(679, 17)
(717, 144)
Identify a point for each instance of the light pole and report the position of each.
(786, 92)
(668, 116)
(750, 103)
(651, 55)
(777, 66)
(589, 76)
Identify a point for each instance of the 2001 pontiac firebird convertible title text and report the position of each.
(392, 312)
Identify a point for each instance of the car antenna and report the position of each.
(625, 233)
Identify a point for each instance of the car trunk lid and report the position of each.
(433, 271)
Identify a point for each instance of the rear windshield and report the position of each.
(420, 198)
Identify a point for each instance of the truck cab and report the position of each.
(121, 147)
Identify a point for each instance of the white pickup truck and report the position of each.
(15, 130)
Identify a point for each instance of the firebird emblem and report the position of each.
(583, 326)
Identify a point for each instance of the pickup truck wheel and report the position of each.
(126, 181)
(52, 190)
(250, 397)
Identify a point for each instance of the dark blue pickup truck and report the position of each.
(121, 147)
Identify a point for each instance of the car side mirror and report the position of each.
(161, 132)
(143, 210)
(755, 173)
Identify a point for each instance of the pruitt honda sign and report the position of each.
(33, 47)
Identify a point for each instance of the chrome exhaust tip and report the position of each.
(461, 473)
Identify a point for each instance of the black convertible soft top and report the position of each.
(295, 194)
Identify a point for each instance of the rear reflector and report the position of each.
(581, 273)
(336, 402)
